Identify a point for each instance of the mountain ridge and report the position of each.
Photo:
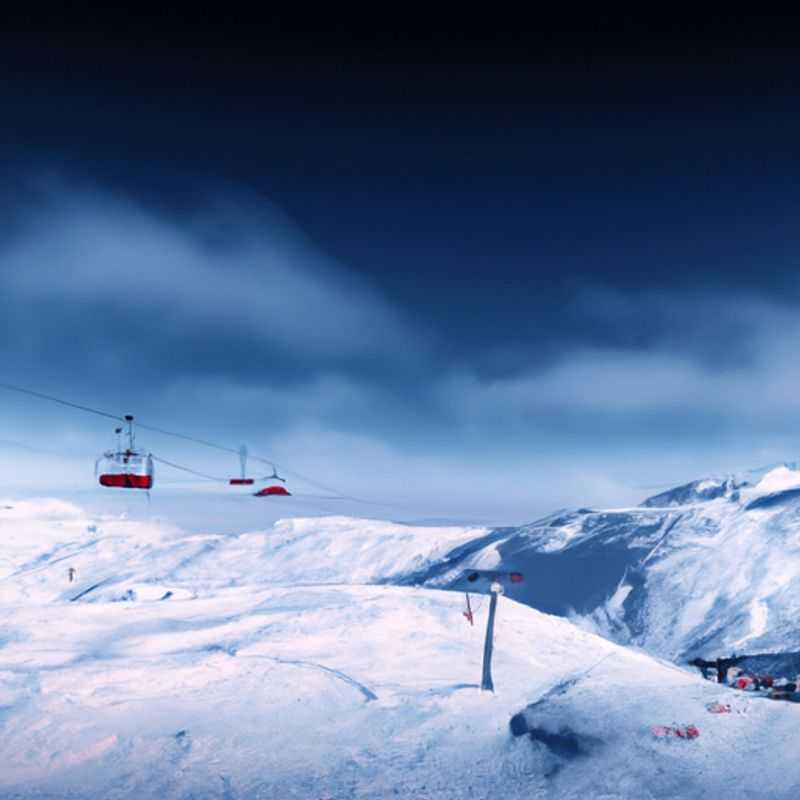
(710, 566)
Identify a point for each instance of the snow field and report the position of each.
(270, 671)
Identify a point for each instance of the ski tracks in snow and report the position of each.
(367, 693)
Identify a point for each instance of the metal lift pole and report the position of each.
(486, 680)
(131, 434)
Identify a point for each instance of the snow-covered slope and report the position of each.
(255, 666)
(117, 559)
(708, 568)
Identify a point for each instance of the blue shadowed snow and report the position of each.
(773, 500)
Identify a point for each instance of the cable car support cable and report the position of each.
(43, 396)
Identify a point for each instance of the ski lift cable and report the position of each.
(41, 395)
(205, 442)
(184, 481)
(30, 449)
(189, 470)
(339, 495)
(320, 486)
(52, 398)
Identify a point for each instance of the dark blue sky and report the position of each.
(562, 263)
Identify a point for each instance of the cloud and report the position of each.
(96, 281)
(736, 380)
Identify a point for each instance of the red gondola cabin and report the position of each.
(270, 491)
(126, 468)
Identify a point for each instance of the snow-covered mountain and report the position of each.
(708, 568)
(318, 658)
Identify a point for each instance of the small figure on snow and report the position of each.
(739, 679)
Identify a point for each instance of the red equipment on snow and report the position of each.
(719, 708)
(126, 468)
(676, 731)
(468, 613)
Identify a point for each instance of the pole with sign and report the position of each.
(479, 579)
